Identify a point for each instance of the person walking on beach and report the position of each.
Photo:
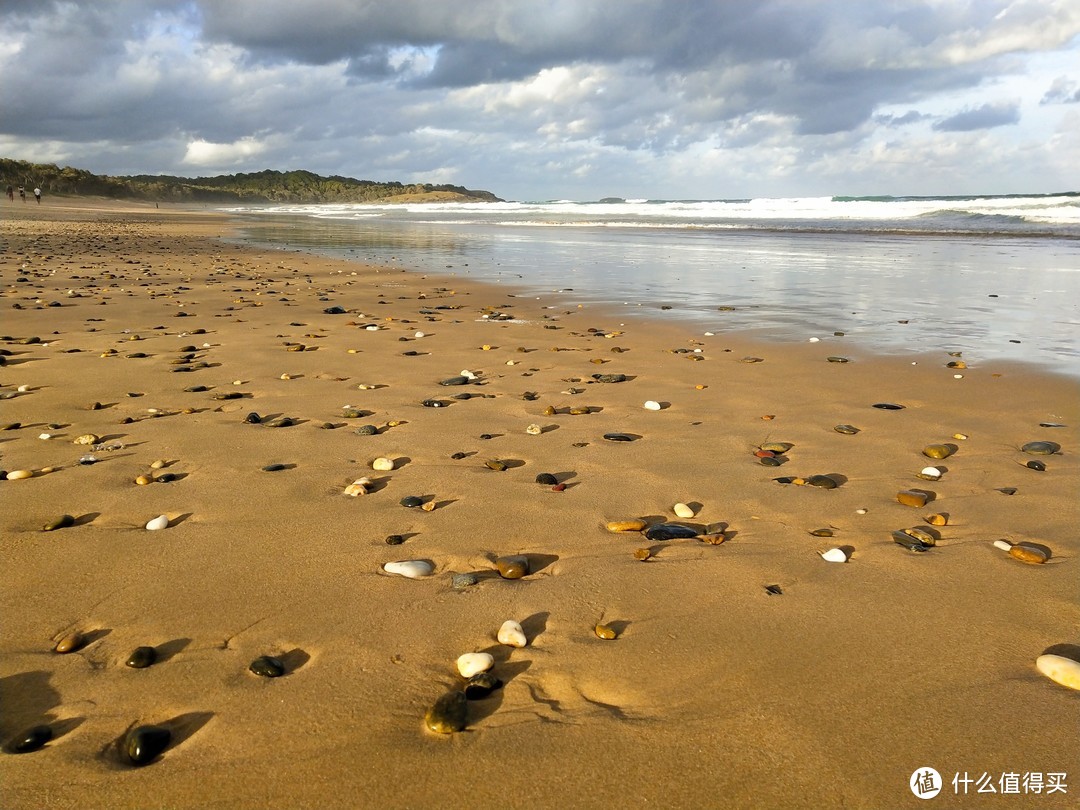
(11, 193)
(22, 193)
(37, 195)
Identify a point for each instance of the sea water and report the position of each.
(992, 277)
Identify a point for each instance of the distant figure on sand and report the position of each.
(22, 193)
(37, 195)
(11, 193)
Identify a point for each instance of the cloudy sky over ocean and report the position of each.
(557, 98)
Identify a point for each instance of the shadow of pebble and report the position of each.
(1064, 650)
(535, 625)
(169, 649)
(27, 699)
(89, 517)
(294, 659)
(620, 626)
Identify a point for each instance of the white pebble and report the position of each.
(709, 334)
(382, 464)
(160, 522)
(682, 510)
(652, 405)
(1060, 669)
(16, 475)
(413, 569)
(471, 664)
(358, 487)
(834, 555)
(419, 335)
(931, 473)
(814, 340)
(237, 382)
(1004, 545)
(22, 389)
(511, 362)
(372, 328)
(466, 373)
(45, 436)
(860, 511)
(534, 430)
(511, 634)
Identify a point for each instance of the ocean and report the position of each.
(993, 277)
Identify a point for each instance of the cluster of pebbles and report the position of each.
(197, 353)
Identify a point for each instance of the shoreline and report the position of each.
(830, 693)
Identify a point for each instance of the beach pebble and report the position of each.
(652, 405)
(70, 642)
(358, 487)
(912, 497)
(16, 475)
(160, 522)
(671, 531)
(534, 430)
(514, 566)
(267, 666)
(835, 555)
(627, 526)
(682, 510)
(1028, 554)
(643, 554)
(143, 480)
(847, 430)
(888, 406)
(939, 450)
(939, 519)
(619, 437)
(496, 464)
(929, 473)
(471, 664)
(822, 481)
(141, 658)
(157, 465)
(87, 438)
(605, 631)
(1041, 448)
(411, 501)
(907, 541)
(61, 522)
(448, 713)
(382, 464)
(33, 739)
(144, 744)
(511, 634)
(547, 479)
(412, 569)
(394, 539)
(1059, 669)
(481, 685)
(461, 581)
(1036, 465)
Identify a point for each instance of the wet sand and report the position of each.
(716, 692)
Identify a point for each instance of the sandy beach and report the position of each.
(745, 671)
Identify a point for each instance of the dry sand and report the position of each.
(714, 694)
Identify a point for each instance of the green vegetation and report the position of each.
(260, 187)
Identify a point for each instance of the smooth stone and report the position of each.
(70, 643)
(511, 634)
(627, 526)
(609, 378)
(1028, 554)
(462, 581)
(382, 464)
(770, 461)
(273, 468)
(141, 658)
(847, 430)
(496, 464)
(929, 473)
(144, 480)
(1041, 448)
(267, 666)
(33, 739)
(682, 510)
(822, 533)
(643, 554)
(471, 664)
(144, 744)
(1059, 669)
(459, 380)
(412, 569)
(87, 438)
(432, 403)
(605, 631)
(837, 359)
(939, 519)
(777, 447)
(580, 410)
(448, 713)
(910, 497)
(652, 405)
(670, 531)
(253, 419)
(547, 479)
(349, 412)
(16, 475)
(834, 555)
(888, 406)
(938, 451)
(534, 430)
(158, 523)
(922, 535)
(907, 541)
(549, 411)
(822, 481)
(618, 437)
(752, 360)
(713, 538)
(1036, 465)
(394, 540)
(1004, 545)
(157, 465)
(61, 522)
(514, 566)
(481, 685)
(411, 501)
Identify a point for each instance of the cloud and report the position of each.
(1063, 91)
(985, 116)
(910, 117)
(204, 153)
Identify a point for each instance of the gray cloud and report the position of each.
(985, 116)
(1063, 91)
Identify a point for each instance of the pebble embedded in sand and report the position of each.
(511, 634)
(671, 531)
(1025, 553)
(888, 406)
(643, 554)
(1041, 448)
(1059, 669)
(683, 510)
(939, 451)
(912, 497)
(144, 744)
(461, 581)
(822, 481)
(627, 525)
(157, 465)
(70, 642)
(158, 523)
(87, 438)
(496, 464)
(471, 664)
(382, 464)
(33, 739)
(837, 555)
(547, 479)
(652, 405)
(929, 473)
(62, 522)
(514, 566)
(141, 658)
(534, 430)
(361, 486)
(847, 430)
(17, 475)
(922, 535)
(448, 713)
(411, 501)
(143, 480)
(902, 538)
(605, 631)
(267, 666)
(482, 685)
(411, 569)
(939, 519)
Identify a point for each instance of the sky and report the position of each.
(557, 99)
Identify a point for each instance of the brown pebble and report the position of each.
(940, 519)
(605, 631)
(714, 539)
(643, 554)
(514, 566)
(911, 497)
(1028, 554)
(143, 480)
(70, 642)
(627, 526)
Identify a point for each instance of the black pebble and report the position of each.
(253, 418)
(771, 461)
(411, 501)
(32, 739)
(671, 531)
(334, 311)
(394, 540)
(144, 744)
(547, 479)
(141, 658)
(432, 403)
(481, 685)
(459, 456)
(166, 478)
(266, 666)
(773, 590)
(618, 437)
(888, 406)
(273, 467)
(1036, 465)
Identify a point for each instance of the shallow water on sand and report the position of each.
(990, 297)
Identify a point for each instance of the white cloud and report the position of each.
(203, 153)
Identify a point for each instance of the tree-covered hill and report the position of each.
(265, 186)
